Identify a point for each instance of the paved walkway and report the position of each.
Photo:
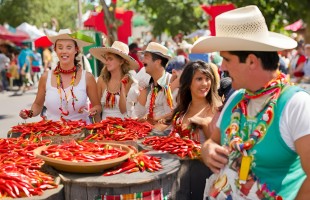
(11, 102)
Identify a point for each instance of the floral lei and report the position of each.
(273, 88)
(60, 88)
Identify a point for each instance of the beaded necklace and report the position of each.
(155, 90)
(64, 71)
(60, 87)
(272, 88)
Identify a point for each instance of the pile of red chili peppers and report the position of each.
(47, 128)
(118, 129)
(137, 162)
(83, 151)
(19, 169)
(175, 145)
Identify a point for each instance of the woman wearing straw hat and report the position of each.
(66, 89)
(115, 80)
(259, 148)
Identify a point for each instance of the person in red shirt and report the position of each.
(133, 52)
(297, 63)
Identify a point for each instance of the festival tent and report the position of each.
(50, 32)
(42, 42)
(96, 21)
(11, 34)
(214, 11)
(295, 26)
(31, 30)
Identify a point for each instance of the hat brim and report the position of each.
(273, 42)
(80, 43)
(99, 52)
(158, 53)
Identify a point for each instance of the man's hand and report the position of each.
(214, 155)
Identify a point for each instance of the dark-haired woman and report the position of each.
(198, 102)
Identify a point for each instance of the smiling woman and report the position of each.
(198, 103)
(68, 84)
(115, 79)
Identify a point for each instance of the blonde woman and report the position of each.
(115, 79)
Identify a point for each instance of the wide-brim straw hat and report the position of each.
(158, 49)
(118, 48)
(242, 29)
(65, 34)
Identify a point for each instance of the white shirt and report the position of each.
(295, 119)
(161, 106)
(52, 100)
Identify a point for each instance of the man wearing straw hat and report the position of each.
(155, 102)
(259, 148)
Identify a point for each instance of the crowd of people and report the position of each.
(251, 122)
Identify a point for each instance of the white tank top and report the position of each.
(52, 100)
(110, 112)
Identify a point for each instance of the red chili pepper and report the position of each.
(128, 166)
(135, 169)
(65, 113)
(124, 80)
(10, 192)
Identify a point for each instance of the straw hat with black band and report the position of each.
(118, 48)
(158, 49)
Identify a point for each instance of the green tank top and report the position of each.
(274, 163)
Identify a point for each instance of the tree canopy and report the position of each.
(38, 12)
(166, 16)
(172, 16)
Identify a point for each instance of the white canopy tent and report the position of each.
(31, 30)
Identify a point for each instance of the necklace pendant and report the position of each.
(245, 168)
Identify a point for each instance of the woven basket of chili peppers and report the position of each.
(83, 157)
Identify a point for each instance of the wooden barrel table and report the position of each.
(93, 186)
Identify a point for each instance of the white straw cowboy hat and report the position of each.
(118, 48)
(242, 29)
(158, 49)
(65, 34)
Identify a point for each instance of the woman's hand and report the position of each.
(126, 79)
(92, 112)
(199, 121)
(25, 114)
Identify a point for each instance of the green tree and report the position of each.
(171, 16)
(278, 13)
(37, 12)
(109, 20)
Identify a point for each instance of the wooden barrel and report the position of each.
(92, 186)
